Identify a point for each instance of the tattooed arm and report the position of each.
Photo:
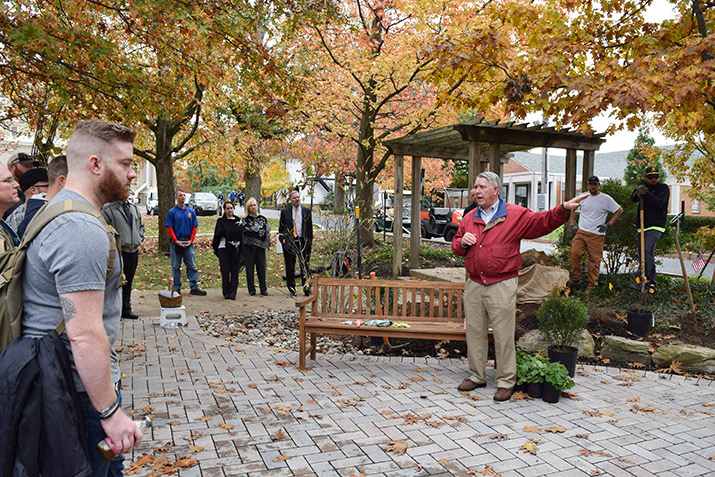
(90, 349)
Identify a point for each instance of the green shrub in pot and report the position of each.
(562, 319)
(557, 375)
(530, 369)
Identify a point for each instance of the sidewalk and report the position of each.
(245, 410)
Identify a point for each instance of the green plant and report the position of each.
(530, 369)
(562, 319)
(557, 375)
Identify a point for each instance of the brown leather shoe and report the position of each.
(469, 385)
(503, 394)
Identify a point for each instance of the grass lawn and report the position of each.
(154, 270)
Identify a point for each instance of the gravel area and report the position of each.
(277, 329)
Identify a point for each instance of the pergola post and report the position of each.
(570, 188)
(415, 221)
(587, 170)
(495, 160)
(474, 163)
(397, 220)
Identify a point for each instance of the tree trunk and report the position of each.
(164, 164)
(339, 195)
(252, 178)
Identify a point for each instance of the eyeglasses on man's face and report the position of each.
(9, 180)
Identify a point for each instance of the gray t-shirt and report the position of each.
(594, 210)
(70, 254)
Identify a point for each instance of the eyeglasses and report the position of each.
(41, 185)
(9, 180)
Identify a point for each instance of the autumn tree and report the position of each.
(145, 64)
(579, 59)
(373, 58)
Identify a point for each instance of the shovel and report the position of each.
(642, 280)
(674, 223)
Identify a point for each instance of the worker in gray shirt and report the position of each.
(126, 219)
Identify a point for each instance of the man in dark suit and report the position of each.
(295, 231)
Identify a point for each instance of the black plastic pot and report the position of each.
(639, 322)
(535, 389)
(520, 387)
(550, 393)
(567, 358)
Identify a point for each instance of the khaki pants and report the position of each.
(593, 244)
(495, 303)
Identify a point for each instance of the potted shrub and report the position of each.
(562, 319)
(556, 379)
(530, 371)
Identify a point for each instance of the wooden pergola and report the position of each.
(484, 144)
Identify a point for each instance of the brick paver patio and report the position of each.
(246, 410)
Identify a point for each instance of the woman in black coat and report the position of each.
(227, 238)
(256, 239)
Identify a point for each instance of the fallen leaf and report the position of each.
(311, 401)
(499, 437)
(535, 430)
(581, 436)
(530, 447)
(226, 426)
(555, 430)
(570, 395)
(195, 448)
(633, 399)
(624, 460)
(279, 434)
(417, 379)
(398, 447)
(281, 458)
(204, 419)
(283, 408)
(174, 423)
(519, 396)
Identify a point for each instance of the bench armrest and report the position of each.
(306, 301)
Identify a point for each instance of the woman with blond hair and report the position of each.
(256, 239)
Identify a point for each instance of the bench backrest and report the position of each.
(390, 299)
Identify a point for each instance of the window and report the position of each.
(695, 206)
(521, 195)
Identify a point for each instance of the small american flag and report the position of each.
(698, 263)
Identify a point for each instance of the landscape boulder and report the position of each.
(534, 342)
(695, 359)
(617, 348)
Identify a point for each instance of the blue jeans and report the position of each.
(187, 255)
(95, 433)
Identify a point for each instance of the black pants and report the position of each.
(296, 248)
(255, 257)
(130, 260)
(228, 263)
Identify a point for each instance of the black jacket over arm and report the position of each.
(285, 226)
(231, 230)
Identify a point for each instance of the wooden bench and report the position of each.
(433, 310)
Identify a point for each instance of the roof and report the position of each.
(452, 142)
(607, 165)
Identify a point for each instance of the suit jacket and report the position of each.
(285, 226)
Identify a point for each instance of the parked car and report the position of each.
(152, 203)
(204, 203)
